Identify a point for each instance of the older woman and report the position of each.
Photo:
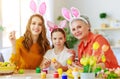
(81, 29)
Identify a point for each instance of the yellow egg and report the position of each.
(60, 71)
(103, 58)
(43, 75)
(69, 61)
(53, 60)
(69, 71)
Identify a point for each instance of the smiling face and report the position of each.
(79, 29)
(36, 26)
(58, 39)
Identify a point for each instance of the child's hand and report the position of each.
(47, 63)
(57, 65)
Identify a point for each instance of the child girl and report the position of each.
(59, 54)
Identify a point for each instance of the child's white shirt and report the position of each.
(61, 57)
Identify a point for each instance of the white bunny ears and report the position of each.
(72, 14)
(53, 26)
(41, 9)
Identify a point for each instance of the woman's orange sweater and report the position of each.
(27, 59)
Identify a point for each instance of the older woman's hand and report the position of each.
(74, 65)
(71, 51)
(101, 65)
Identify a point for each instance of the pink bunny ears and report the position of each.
(72, 14)
(41, 9)
(53, 26)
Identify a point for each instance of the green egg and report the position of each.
(21, 71)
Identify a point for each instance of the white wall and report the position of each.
(58, 4)
(0, 24)
(91, 8)
(25, 15)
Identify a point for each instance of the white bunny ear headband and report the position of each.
(53, 26)
(72, 14)
(41, 9)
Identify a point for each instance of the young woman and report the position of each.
(57, 57)
(81, 29)
(29, 49)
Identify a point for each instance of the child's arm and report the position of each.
(45, 63)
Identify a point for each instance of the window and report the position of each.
(10, 19)
(14, 16)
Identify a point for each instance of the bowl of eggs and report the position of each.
(6, 68)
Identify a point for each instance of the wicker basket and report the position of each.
(7, 70)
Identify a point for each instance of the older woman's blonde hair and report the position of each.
(82, 18)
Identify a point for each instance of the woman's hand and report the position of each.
(46, 63)
(75, 65)
(12, 38)
(101, 65)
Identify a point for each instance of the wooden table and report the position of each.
(29, 74)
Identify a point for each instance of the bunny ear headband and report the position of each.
(53, 26)
(41, 9)
(72, 14)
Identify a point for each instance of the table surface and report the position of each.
(29, 74)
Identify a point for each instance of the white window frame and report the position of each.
(14, 16)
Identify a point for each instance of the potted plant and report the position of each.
(103, 16)
(1, 28)
(90, 62)
(71, 40)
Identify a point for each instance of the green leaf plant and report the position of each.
(1, 28)
(103, 15)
